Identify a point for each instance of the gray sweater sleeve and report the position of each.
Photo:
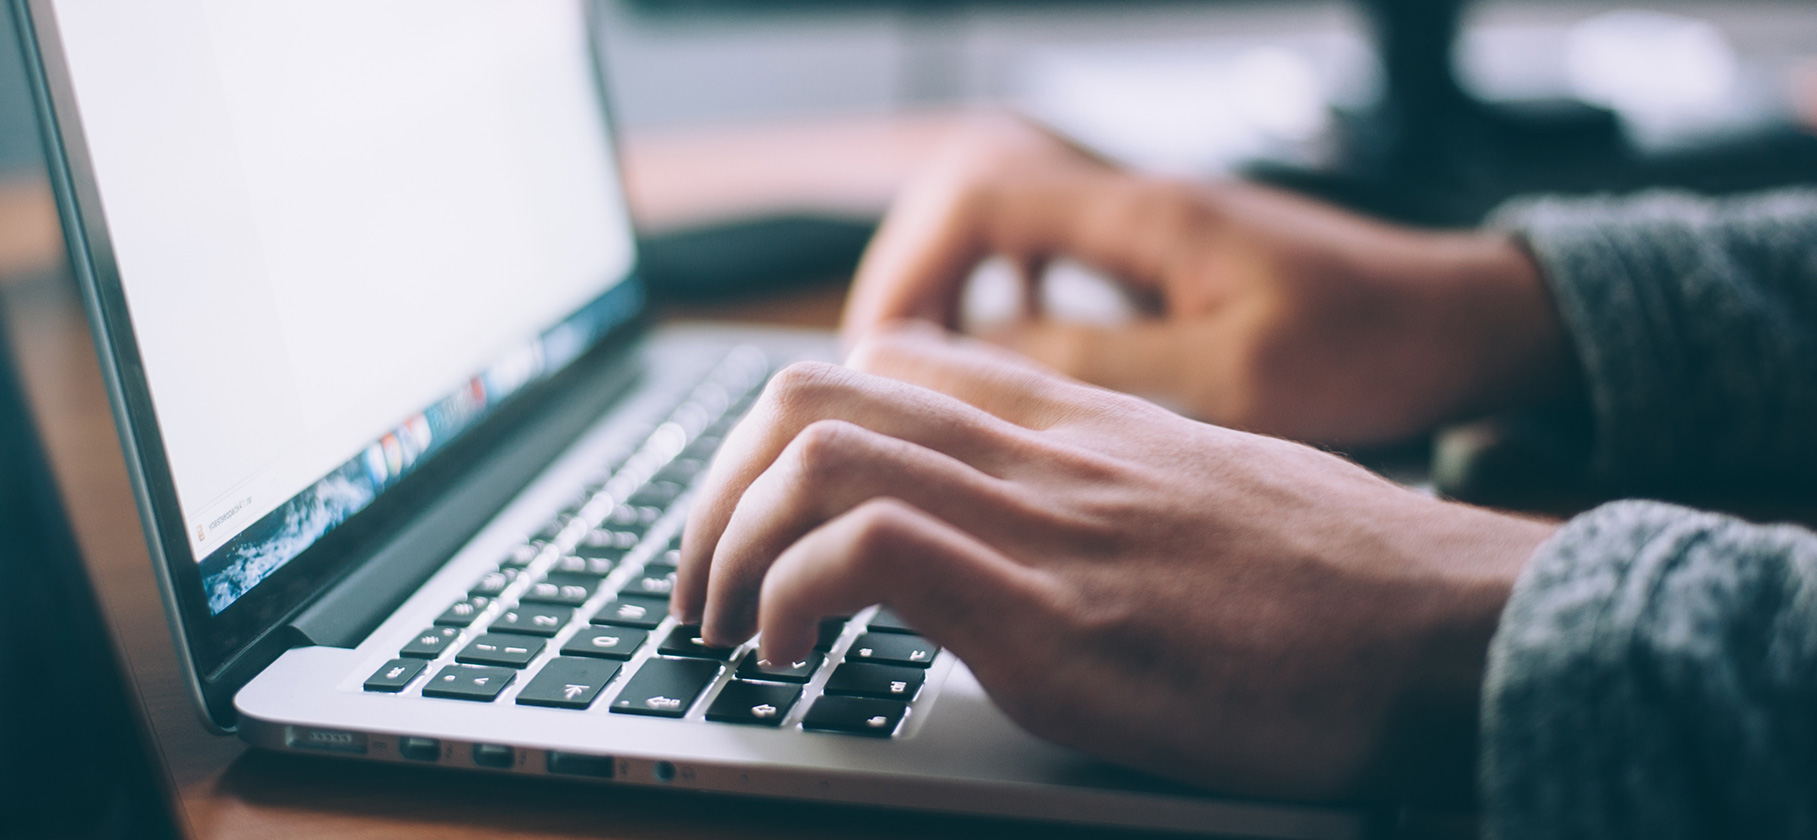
(1695, 323)
(1655, 672)
(1655, 676)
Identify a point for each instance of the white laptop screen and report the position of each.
(344, 230)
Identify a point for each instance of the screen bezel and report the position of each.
(210, 645)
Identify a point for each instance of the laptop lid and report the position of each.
(324, 242)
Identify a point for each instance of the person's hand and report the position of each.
(1270, 312)
(1232, 610)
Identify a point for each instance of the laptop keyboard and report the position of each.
(571, 621)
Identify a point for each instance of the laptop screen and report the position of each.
(344, 231)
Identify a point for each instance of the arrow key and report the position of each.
(752, 703)
(755, 667)
(568, 682)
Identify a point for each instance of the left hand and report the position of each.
(1227, 609)
(1271, 312)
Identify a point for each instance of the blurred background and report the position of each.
(1429, 111)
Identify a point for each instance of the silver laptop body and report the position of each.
(411, 461)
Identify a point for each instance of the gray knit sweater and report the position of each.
(1655, 673)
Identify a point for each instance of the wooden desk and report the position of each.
(230, 791)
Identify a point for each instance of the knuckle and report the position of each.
(1172, 214)
(824, 448)
(880, 527)
(886, 345)
(801, 385)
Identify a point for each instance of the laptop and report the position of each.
(411, 457)
(75, 750)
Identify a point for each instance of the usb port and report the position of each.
(492, 755)
(419, 749)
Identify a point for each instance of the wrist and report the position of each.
(1497, 320)
(1470, 564)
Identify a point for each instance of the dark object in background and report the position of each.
(1430, 153)
(753, 256)
(75, 753)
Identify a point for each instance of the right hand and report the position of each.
(1272, 312)
(1231, 610)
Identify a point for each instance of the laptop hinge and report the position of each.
(347, 612)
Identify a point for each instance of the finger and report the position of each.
(830, 468)
(1006, 385)
(1145, 357)
(796, 397)
(1029, 269)
(947, 584)
(941, 228)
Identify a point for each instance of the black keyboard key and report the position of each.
(632, 518)
(886, 621)
(659, 493)
(666, 687)
(534, 620)
(394, 675)
(469, 682)
(462, 613)
(855, 716)
(605, 642)
(633, 611)
(887, 682)
(507, 650)
(830, 631)
(752, 703)
(560, 590)
(607, 544)
(522, 556)
(710, 439)
(493, 583)
(684, 469)
(554, 529)
(893, 649)
(654, 585)
(594, 567)
(753, 668)
(568, 683)
(430, 643)
(660, 567)
(684, 640)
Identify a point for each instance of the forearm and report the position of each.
(1655, 675)
(1695, 325)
